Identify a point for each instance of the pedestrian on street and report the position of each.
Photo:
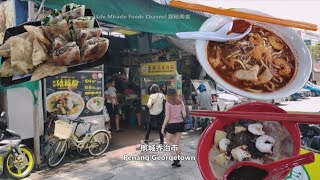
(112, 103)
(155, 105)
(205, 103)
(174, 122)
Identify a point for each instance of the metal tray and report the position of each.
(8, 81)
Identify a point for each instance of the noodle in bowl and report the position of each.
(298, 49)
(205, 146)
(69, 105)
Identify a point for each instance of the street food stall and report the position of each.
(162, 73)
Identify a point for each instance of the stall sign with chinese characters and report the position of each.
(76, 94)
(159, 69)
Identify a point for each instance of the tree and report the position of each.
(315, 51)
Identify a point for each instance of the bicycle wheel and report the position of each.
(99, 143)
(57, 153)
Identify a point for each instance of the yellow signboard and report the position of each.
(144, 99)
(306, 172)
(159, 69)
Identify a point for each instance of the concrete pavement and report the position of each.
(310, 104)
(113, 166)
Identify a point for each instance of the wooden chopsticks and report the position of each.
(243, 15)
(261, 116)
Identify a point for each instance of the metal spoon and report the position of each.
(221, 35)
(268, 171)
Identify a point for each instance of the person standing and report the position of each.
(155, 105)
(204, 98)
(164, 89)
(174, 122)
(205, 103)
(112, 103)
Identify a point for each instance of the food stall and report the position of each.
(162, 73)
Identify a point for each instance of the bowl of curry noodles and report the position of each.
(270, 62)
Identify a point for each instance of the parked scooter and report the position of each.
(309, 134)
(16, 160)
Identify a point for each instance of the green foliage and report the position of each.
(315, 51)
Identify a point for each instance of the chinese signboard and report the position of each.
(76, 94)
(159, 69)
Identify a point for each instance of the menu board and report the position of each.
(76, 94)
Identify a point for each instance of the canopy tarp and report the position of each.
(140, 15)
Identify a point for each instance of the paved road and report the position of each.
(311, 104)
(113, 166)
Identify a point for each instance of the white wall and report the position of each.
(21, 111)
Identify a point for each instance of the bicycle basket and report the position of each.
(62, 129)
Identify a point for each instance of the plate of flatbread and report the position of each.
(67, 40)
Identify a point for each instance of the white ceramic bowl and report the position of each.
(93, 109)
(288, 35)
(71, 116)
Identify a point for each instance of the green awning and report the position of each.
(140, 15)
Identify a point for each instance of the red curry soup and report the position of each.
(260, 62)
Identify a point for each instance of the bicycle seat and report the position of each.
(94, 122)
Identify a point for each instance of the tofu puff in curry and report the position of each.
(260, 62)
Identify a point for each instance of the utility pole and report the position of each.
(36, 129)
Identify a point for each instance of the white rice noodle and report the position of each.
(271, 87)
(241, 63)
(253, 90)
(233, 54)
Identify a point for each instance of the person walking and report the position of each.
(174, 122)
(155, 105)
(112, 103)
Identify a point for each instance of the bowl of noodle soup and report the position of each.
(67, 104)
(286, 135)
(271, 62)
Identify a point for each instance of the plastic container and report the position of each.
(207, 138)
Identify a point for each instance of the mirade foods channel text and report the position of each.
(144, 16)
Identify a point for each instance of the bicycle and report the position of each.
(48, 140)
(96, 143)
(49, 124)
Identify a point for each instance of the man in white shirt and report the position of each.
(112, 103)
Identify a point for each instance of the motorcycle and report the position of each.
(16, 160)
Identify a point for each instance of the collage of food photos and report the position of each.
(160, 90)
